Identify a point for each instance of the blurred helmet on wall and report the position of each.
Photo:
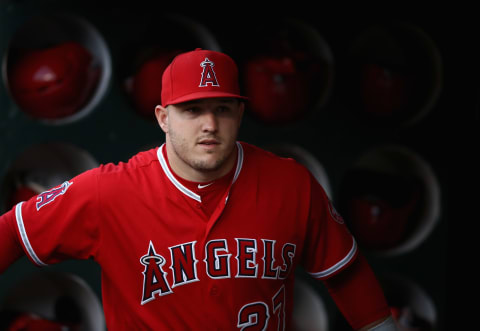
(57, 300)
(145, 85)
(53, 82)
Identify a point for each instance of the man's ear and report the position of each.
(162, 117)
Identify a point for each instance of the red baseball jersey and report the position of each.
(168, 264)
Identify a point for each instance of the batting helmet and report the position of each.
(380, 208)
(23, 191)
(145, 87)
(42, 167)
(309, 310)
(385, 90)
(277, 89)
(55, 300)
(411, 306)
(53, 82)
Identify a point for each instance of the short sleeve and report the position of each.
(329, 246)
(61, 223)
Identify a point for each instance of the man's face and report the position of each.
(201, 135)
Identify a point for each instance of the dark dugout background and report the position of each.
(332, 131)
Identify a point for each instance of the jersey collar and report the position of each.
(182, 188)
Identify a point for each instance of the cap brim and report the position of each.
(203, 95)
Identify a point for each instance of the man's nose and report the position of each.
(209, 122)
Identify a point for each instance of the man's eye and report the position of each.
(192, 110)
(223, 109)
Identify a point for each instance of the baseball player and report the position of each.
(203, 232)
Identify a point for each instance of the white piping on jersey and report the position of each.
(179, 185)
(23, 235)
(239, 162)
(239, 167)
(338, 265)
(172, 178)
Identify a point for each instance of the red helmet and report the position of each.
(309, 309)
(381, 209)
(32, 322)
(146, 85)
(52, 301)
(21, 193)
(42, 167)
(378, 224)
(279, 87)
(385, 91)
(411, 305)
(54, 82)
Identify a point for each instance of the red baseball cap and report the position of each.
(200, 74)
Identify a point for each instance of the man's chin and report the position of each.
(210, 161)
(208, 165)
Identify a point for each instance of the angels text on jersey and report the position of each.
(252, 258)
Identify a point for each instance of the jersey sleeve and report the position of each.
(358, 281)
(61, 223)
(329, 245)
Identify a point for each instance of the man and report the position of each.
(204, 232)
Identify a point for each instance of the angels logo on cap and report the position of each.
(218, 75)
(208, 74)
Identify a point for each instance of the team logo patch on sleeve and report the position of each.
(48, 196)
(336, 216)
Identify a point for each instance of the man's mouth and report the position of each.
(208, 142)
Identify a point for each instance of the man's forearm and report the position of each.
(358, 295)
